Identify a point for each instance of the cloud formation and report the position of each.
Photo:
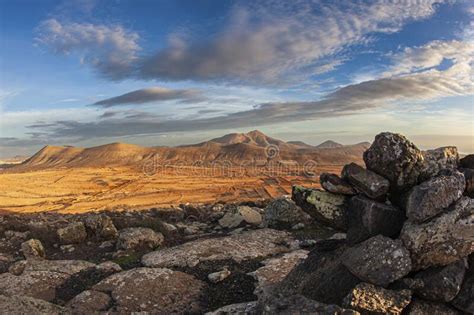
(153, 94)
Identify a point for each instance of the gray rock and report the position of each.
(101, 226)
(421, 307)
(24, 305)
(464, 301)
(328, 208)
(431, 197)
(153, 290)
(219, 276)
(367, 218)
(469, 177)
(467, 161)
(139, 238)
(443, 240)
(367, 298)
(108, 267)
(441, 283)
(365, 181)
(247, 308)
(33, 249)
(378, 260)
(239, 247)
(90, 302)
(438, 160)
(334, 184)
(242, 214)
(397, 159)
(73, 233)
(283, 213)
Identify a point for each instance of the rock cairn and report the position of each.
(409, 219)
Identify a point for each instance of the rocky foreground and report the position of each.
(394, 237)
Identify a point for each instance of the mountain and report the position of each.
(236, 148)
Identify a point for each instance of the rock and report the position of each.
(18, 267)
(5, 261)
(283, 213)
(67, 248)
(90, 302)
(367, 298)
(152, 290)
(233, 219)
(219, 275)
(439, 159)
(464, 301)
(73, 233)
(421, 307)
(397, 159)
(41, 278)
(139, 238)
(101, 226)
(467, 161)
(378, 260)
(276, 269)
(109, 267)
(441, 283)
(365, 181)
(239, 247)
(334, 184)
(247, 308)
(33, 249)
(469, 177)
(24, 305)
(431, 197)
(321, 276)
(299, 304)
(443, 240)
(323, 206)
(367, 218)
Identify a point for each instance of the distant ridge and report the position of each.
(235, 147)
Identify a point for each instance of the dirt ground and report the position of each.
(79, 190)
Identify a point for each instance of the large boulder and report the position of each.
(153, 290)
(378, 260)
(323, 206)
(443, 240)
(73, 233)
(32, 249)
(139, 238)
(334, 184)
(464, 301)
(396, 158)
(238, 247)
(283, 213)
(23, 305)
(369, 299)
(431, 197)
(367, 218)
(365, 181)
(101, 226)
(467, 161)
(444, 158)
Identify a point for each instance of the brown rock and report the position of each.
(74, 233)
(139, 238)
(90, 302)
(33, 249)
(24, 305)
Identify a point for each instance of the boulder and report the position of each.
(33, 249)
(243, 214)
(464, 301)
(90, 302)
(431, 197)
(378, 260)
(397, 159)
(367, 218)
(73, 233)
(367, 298)
(365, 181)
(443, 240)
(283, 213)
(23, 305)
(467, 161)
(321, 276)
(469, 177)
(323, 206)
(101, 226)
(238, 247)
(153, 290)
(438, 160)
(422, 307)
(334, 184)
(441, 284)
(139, 238)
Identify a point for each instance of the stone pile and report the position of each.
(409, 246)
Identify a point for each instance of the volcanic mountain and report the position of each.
(236, 148)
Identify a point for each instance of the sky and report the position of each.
(172, 72)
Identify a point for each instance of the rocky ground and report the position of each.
(394, 237)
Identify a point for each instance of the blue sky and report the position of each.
(88, 72)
